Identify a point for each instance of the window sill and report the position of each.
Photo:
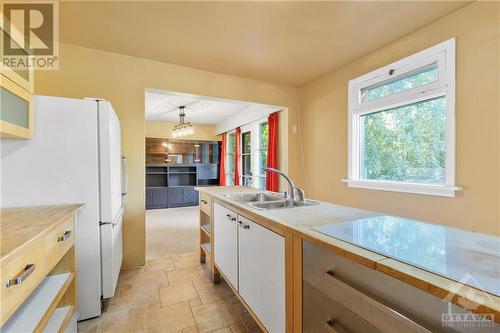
(425, 189)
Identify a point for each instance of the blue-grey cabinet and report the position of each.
(190, 196)
(156, 197)
(175, 197)
(182, 196)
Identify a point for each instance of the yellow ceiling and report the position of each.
(284, 42)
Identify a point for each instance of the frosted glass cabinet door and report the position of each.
(226, 243)
(262, 273)
(15, 110)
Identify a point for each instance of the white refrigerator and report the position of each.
(74, 157)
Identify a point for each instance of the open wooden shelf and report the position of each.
(59, 319)
(40, 305)
(206, 247)
(206, 229)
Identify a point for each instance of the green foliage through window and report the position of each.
(405, 143)
(418, 78)
(230, 155)
(263, 144)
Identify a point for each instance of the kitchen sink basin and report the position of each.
(255, 197)
(283, 203)
(267, 200)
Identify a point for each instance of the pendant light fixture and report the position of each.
(183, 128)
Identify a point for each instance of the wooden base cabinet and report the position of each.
(38, 269)
(261, 255)
(252, 259)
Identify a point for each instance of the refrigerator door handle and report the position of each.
(124, 176)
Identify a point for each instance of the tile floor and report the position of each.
(173, 291)
(172, 294)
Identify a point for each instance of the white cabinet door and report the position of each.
(225, 240)
(262, 273)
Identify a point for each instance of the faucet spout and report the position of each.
(291, 194)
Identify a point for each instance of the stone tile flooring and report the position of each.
(172, 294)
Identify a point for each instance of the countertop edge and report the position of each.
(73, 211)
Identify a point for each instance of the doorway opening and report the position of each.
(183, 151)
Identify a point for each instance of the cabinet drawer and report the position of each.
(206, 203)
(59, 241)
(323, 314)
(21, 272)
(370, 294)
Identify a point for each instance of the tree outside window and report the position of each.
(263, 145)
(230, 157)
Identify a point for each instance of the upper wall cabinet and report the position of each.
(16, 95)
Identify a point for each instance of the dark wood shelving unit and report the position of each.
(171, 184)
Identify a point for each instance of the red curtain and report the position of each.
(272, 153)
(237, 157)
(222, 172)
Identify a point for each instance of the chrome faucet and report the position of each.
(293, 188)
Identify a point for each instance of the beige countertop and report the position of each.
(302, 220)
(21, 224)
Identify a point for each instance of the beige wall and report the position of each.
(323, 114)
(123, 80)
(161, 129)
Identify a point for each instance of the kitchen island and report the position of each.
(300, 241)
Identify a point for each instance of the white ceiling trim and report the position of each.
(244, 118)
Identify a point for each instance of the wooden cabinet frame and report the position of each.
(293, 264)
(8, 72)
(19, 86)
(12, 131)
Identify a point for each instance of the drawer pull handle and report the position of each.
(243, 225)
(204, 202)
(21, 277)
(67, 234)
(376, 304)
(230, 218)
(334, 327)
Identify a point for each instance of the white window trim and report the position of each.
(245, 129)
(253, 128)
(444, 55)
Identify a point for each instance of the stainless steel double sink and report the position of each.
(268, 200)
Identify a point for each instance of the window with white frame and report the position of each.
(254, 141)
(402, 125)
(246, 158)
